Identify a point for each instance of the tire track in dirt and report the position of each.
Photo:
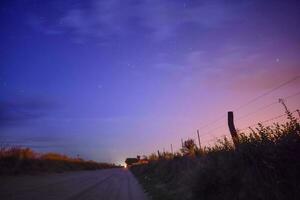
(110, 184)
(82, 193)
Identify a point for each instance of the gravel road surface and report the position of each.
(109, 184)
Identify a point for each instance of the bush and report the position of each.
(17, 160)
(265, 165)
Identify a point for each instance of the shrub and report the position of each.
(265, 165)
(17, 160)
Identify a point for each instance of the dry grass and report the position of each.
(16, 160)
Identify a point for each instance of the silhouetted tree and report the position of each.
(189, 147)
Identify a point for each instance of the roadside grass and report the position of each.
(160, 178)
(154, 188)
(17, 160)
(265, 165)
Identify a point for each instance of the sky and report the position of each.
(114, 79)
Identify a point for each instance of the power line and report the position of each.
(268, 92)
(213, 122)
(268, 120)
(267, 106)
(262, 122)
(216, 138)
(293, 95)
(255, 99)
(272, 119)
(259, 109)
(250, 102)
(210, 131)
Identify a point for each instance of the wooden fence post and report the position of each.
(232, 129)
(158, 153)
(199, 140)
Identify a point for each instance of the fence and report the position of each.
(230, 117)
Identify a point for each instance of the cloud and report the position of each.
(158, 19)
(240, 68)
(40, 24)
(36, 142)
(235, 67)
(264, 78)
(167, 66)
(16, 111)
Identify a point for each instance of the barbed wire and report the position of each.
(256, 111)
(216, 138)
(267, 106)
(251, 113)
(255, 99)
(210, 131)
(268, 120)
(268, 92)
(213, 122)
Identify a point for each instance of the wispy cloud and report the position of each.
(236, 67)
(240, 68)
(16, 111)
(157, 19)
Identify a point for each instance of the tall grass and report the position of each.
(17, 160)
(264, 165)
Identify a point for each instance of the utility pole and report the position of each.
(232, 129)
(172, 149)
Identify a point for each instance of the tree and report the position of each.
(189, 147)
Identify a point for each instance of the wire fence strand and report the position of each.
(255, 99)
(268, 120)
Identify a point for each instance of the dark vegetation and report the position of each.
(264, 165)
(16, 160)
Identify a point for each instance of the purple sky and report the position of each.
(111, 79)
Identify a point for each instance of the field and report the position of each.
(17, 160)
(264, 165)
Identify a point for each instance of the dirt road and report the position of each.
(110, 184)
